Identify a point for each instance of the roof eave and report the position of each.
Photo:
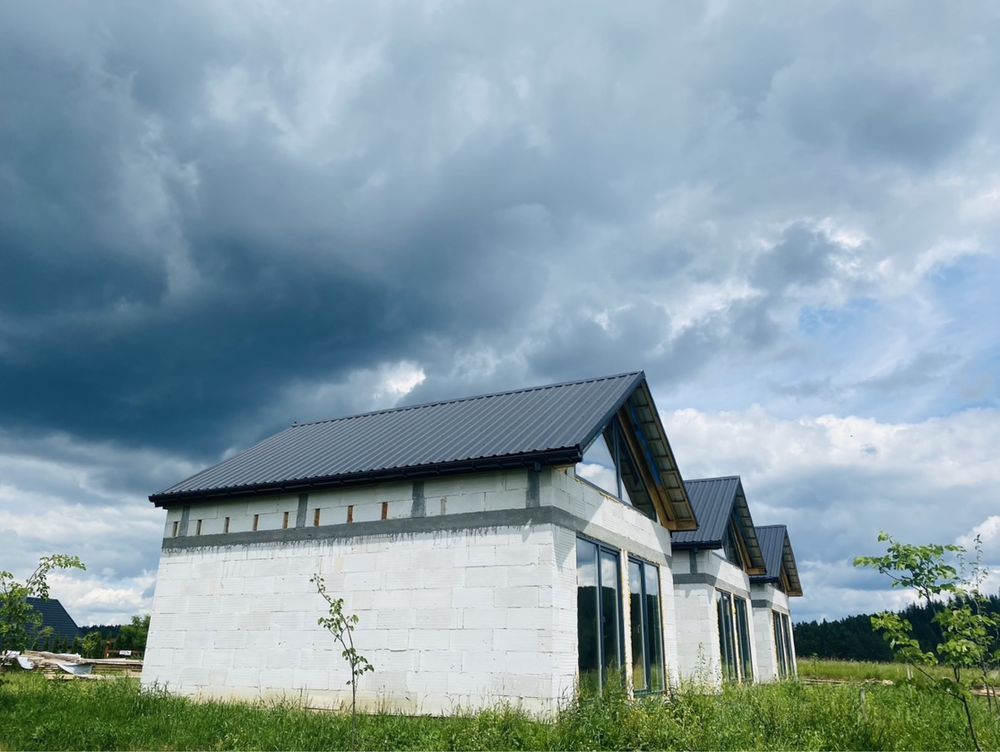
(567, 456)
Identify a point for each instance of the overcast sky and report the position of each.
(216, 218)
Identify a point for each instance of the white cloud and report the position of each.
(837, 481)
(60, 495)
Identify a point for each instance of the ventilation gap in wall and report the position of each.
(256, 521)
(350, 513)
(176, 528)
(197, 528)
(385, 510)
(284, 522)
(316, 517)
(225, 526)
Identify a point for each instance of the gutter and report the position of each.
(530, 460)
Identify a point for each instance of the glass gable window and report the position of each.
(598, 467)
(734, 637)
(598, 614)
(647, 632)
(730, 547)
(608, 464)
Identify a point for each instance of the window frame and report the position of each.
(786, 628)
(645, 622)
(743, 639)
(781, 626)
(734, 670)
(603, 669)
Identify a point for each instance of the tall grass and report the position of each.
(40, 714)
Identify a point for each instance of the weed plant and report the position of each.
(58, 715)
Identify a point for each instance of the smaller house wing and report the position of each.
(717, 502)
(779, 557)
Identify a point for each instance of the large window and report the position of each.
(647, 632)
(610, 465)
(734, 637)
(727, 637)
(743, 635)
(598, 579)
(783, 644)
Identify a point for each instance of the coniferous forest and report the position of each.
(853, 639)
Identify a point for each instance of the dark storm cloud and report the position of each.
(184, 238)
(217, 218)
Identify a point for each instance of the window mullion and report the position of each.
(646, 634)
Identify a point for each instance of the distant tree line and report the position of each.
(853, 638)
(92, 640)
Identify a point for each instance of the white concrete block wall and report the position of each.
(699, 650)
(697, 634)
(767, 658)
(767, 599)
(453, 495)
(450, 620)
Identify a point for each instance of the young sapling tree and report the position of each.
(966, 633)
(341, 626)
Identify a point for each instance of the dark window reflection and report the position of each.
(598, 614)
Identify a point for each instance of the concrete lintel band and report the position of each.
(446, 523)
(707, 579)
(762, 603)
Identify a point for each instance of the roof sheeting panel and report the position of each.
(716, 501)
(54, 615)
(712, 500)
(772, 544)
(549, 421)
(777, 549)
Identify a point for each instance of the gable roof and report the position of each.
(716, 501)
(55, 616)
(545, 425)
(777, 549)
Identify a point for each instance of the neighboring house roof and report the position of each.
(778, 555)
(546, 425)
(715, 502)
(56, 617)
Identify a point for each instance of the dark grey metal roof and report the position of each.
(55, 616)
(715, 502)
(547, 425)
(777, 549)
(712, 499)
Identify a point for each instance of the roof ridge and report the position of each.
(776, 524)
(718, 477)
(404, 408)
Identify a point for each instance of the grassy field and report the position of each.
(811, 668)
(40, 714)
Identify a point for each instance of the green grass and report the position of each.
(812, 668)
(40, 714)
